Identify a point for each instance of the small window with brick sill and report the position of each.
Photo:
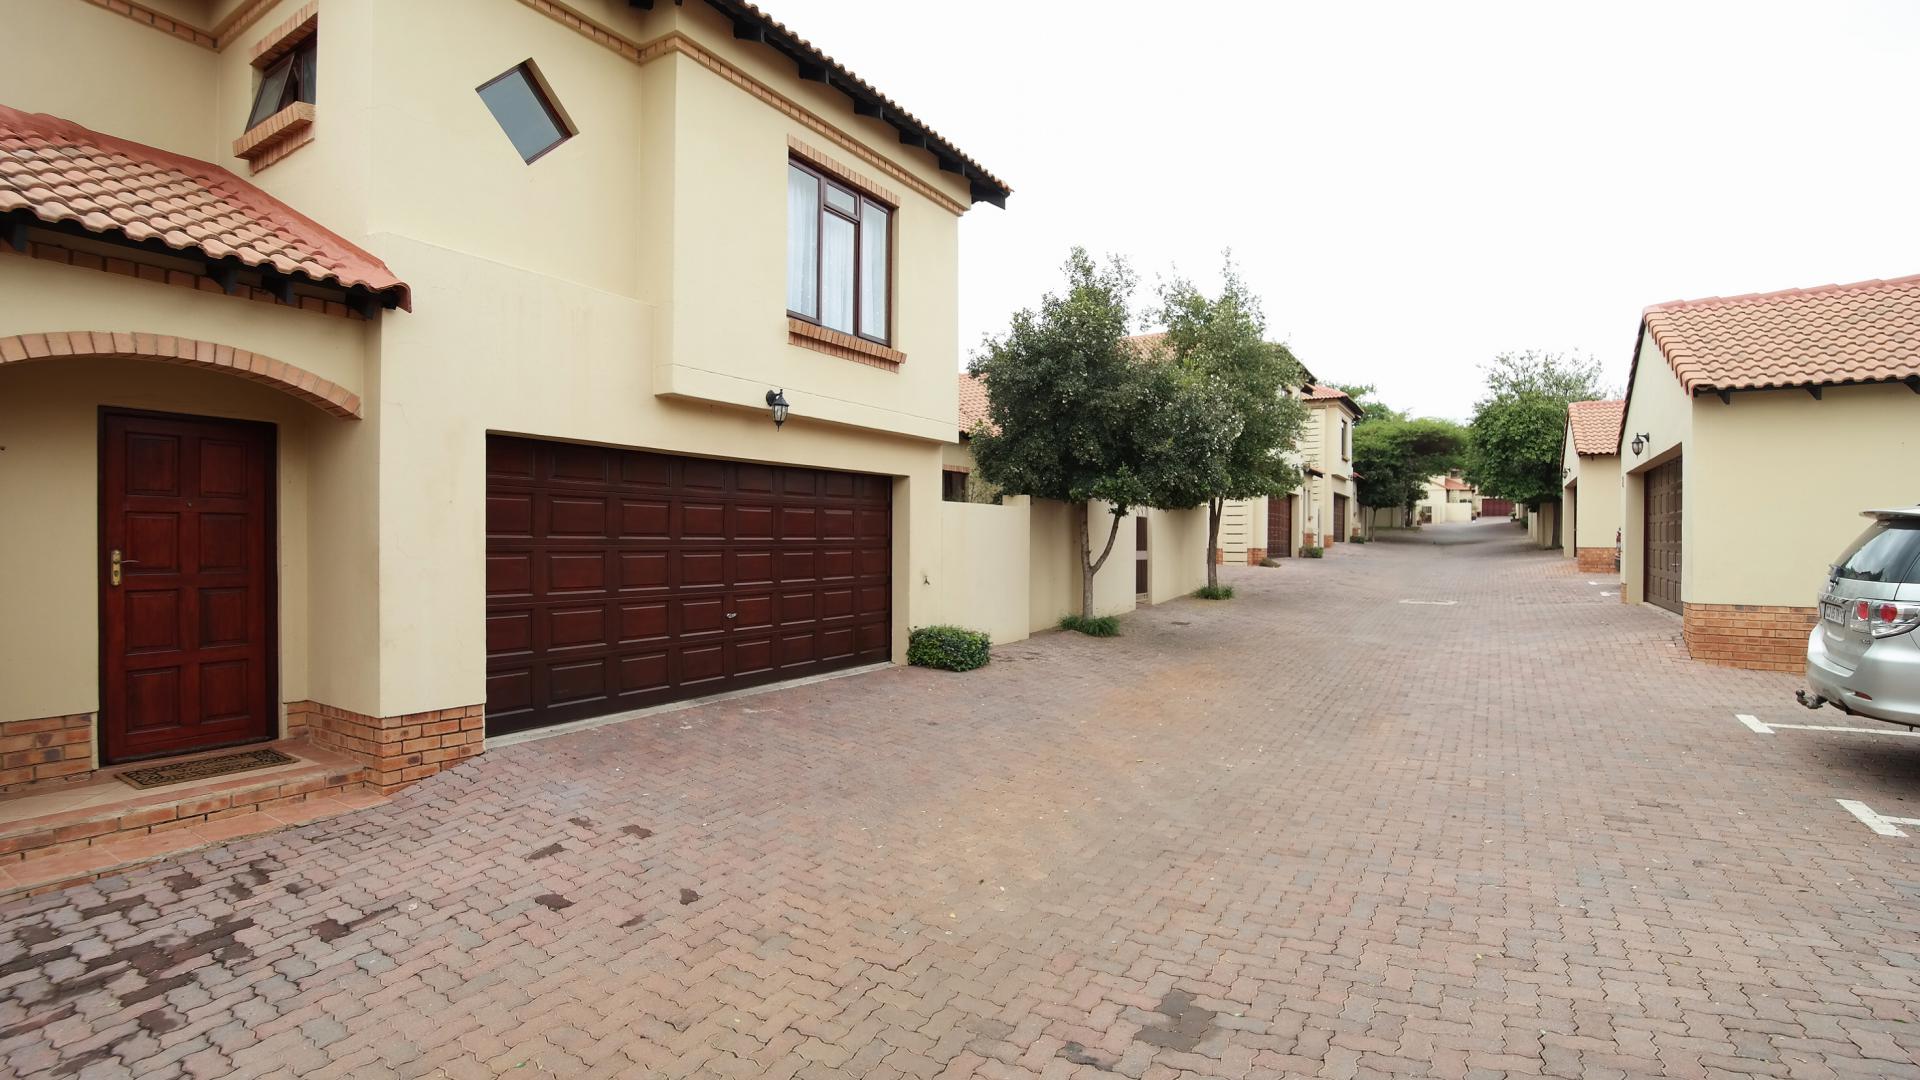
(290, 79)
(839, 255)
(953, 486)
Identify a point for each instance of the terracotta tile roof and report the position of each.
(985, 186)
(1326, 393)
(1596, 426)
(1454, 483)
(1868, 331)
(61, 172)
(973, 402)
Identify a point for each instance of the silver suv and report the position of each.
(1864, 657)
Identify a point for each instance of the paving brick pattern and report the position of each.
(1312, 831)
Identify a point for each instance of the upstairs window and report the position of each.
(287, 80)
(524, 109)
(839, 255)
(1346, 448)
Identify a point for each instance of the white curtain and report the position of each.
(873, 271)
(803, 243)
(836, 273)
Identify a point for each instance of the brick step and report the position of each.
(84, 830)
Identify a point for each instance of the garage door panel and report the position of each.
(643, 672)
(645, 519)
(576, 627)
(643, 570)
(699, 568)
(577, 680)
(702, 521)
(752, 522)
(509, 633)
(509, 573)
(611, 576)
(576, 571)
(643, 622)
(510, 513)
(702, 663)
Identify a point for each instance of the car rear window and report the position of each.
(1887, 551)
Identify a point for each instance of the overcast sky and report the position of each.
(1415, 187)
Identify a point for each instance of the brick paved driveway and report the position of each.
(1313, 831)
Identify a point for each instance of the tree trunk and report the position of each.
(1090, 566)
(1214, 506)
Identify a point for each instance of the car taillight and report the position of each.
(1891, 619)
(1860, 616)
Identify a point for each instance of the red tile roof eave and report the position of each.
(53, 134)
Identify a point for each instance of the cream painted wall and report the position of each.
(1766, 510)
(1176, 553)
(1054, 564)
(105, 71)
(1657, 408)
(984, 582)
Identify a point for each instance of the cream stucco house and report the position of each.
(1590, 499)
(1322, 510)
(1756, 429)
(1447, 499)
(399, 387)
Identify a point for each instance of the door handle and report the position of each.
(731, 614)
(113, 564)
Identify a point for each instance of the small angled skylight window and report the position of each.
(519, 100)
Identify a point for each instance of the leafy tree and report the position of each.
(1223, 414)
(1519, 427)
(1394, 458)
(1067, 394)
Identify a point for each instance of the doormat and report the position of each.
(180, 772)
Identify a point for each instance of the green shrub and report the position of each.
(1358, 539)
(1312, 552)
(951, 648)
(1269, 562)
(1213, 592)
(1098, 626)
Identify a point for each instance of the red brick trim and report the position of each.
(961, 469)
(397, 750)
(832, 167)
(1753, 636)
(205, 355)
(166, 24)
(281, 40)
(1256, 556)
(277, 136)
(113, 264)
(45, 748)
(845, 346)
(1597, 560)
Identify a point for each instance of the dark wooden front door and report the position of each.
(187, 631)
(1280, 527)
(1140, 580)
(1340, 518)
(1662, 534)
(618, 579)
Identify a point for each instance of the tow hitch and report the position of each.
(1811, 701)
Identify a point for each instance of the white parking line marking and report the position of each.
(1435, 603)
(1765, 727)
(1880, 823)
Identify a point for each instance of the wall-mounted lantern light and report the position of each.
(1640, 443)
(777, 401)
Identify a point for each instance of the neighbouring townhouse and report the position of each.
(404, 375)
(1326, 450)
(1447, 499)
(1756, 429)
(1590, 500)
(1255, 530)
(1011, 567)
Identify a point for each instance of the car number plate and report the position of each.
(1834, 614)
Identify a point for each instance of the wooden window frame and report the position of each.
(543, 94)
(861, 196)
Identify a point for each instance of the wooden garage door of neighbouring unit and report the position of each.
(186, 584)
(1662, 558)
(619, 579)
(1140, 564)
(1340, 518)
(1280, 527)
(1496, 508)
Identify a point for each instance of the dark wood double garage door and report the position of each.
(619, 579)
